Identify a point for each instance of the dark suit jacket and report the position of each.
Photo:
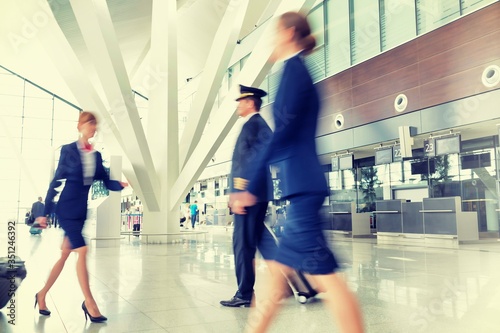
(293, 148)
(72, 203)
(37, 209)
(254, 137)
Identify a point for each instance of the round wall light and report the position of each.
(339, 121)
(491, 76)
(400, 103)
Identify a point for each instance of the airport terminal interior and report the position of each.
(407, 137)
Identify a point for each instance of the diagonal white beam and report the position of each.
(253, 73)
(98, 32)
(52, 39)
(140, 60)
(217, 63)
(145, 50)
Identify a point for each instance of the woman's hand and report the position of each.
(123, 184)
(40, 222)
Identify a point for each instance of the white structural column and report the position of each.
(98, 32)
(108, 217)
(52, 39)
(213, 73)
(252, 74)
(163, 133)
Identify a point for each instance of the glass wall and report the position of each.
(338, 43)
(397, 23)
(34, 124)
(365, 29)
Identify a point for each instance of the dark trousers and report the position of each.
(193, 220)
(250, 234)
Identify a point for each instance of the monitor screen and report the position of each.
(475, 161)
(346, 162)
(448, 145)
(383, 156)
(423, 167)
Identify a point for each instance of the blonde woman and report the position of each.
(80, 165)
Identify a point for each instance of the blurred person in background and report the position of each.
(37, 209)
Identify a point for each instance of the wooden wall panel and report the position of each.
(438, 67)
(414, 100)
(337, 103)
(469, 55)
(464, 30)
(453, 87)
(392, 83)
(326, 123)
(373, 111)
(335, 84)
(385, 63)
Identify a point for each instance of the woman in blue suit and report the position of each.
(79, 164)
(293, 152)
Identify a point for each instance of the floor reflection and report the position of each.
(177, 287)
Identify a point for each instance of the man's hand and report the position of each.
(239, 200)
(238, 208)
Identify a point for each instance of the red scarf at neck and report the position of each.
(87, 146)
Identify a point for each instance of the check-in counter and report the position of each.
(413, 219)
(343, 219)
(446, 224)
(399, 222)
(388, 213)
(389, 221)
(434, 222)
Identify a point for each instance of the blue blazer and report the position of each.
(254, 137)
(292, 149)
(72, 202)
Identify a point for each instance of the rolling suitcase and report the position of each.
(35, 231)
(12, 273)
(298, 282)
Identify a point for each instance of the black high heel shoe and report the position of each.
(99, 319)
(41, 311)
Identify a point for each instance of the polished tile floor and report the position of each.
(177, 287)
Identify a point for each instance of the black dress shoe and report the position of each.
(99, 319)
(45, 312)
(236, 302)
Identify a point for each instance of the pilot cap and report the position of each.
(250, 92)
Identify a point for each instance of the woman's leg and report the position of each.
(341, 302)
(54, 273)
(83, 279)
(261, 315)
